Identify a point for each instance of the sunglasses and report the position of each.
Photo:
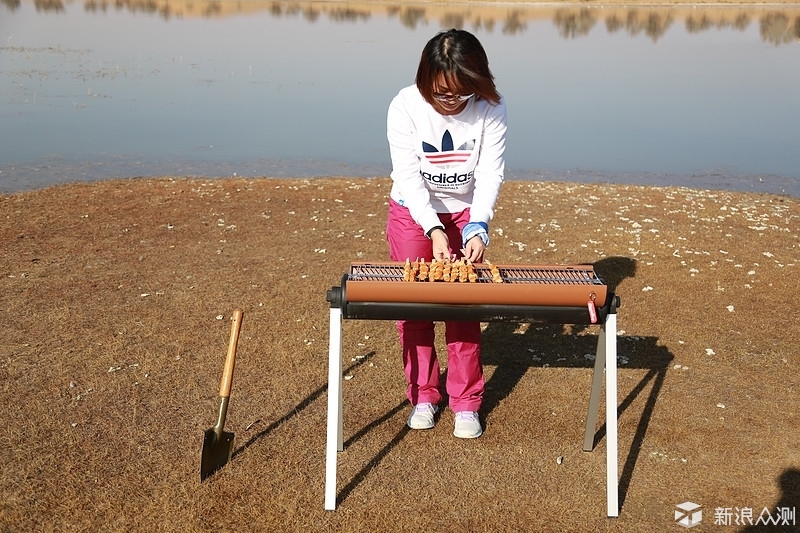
(452, 98)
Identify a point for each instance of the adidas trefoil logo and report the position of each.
(448, 156)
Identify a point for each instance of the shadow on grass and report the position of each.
(300, 407)
(375, 461)
(612, 270)
(513, 356)
(546, 345)
(784, 516)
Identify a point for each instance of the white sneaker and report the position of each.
(421, 416)
(468, 425)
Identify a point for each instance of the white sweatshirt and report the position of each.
(445, 164)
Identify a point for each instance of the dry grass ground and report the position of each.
(115, 300)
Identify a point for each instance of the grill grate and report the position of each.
(509, 274)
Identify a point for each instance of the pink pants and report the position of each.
(465, 382)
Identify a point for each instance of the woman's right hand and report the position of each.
(441, 244)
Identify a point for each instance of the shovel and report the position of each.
(218, 444)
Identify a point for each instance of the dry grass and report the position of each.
(115, 304)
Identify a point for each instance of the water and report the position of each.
(704, 98)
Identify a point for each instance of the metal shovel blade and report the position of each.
(216, 452)
(218, 444)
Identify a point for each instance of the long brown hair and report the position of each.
(460, 57)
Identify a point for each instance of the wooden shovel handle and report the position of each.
(230, 359)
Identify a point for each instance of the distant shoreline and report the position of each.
(745, 184)
(18, 178)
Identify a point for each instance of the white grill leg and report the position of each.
(612, 474)
(334, 442)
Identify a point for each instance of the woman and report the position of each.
(447, 139)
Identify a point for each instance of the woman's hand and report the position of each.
(474, 249)
(441, 244)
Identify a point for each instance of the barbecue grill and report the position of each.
(560, 294)
(564, 294)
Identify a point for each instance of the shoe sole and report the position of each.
(469, 432)
(467, 435)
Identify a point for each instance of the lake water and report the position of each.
(700, 97)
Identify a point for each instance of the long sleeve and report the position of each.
(445, 163)
(406, 166)
(490, 170)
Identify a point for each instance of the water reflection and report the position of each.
(634, 95)
(777, 26)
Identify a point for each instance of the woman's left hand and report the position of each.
(474, 249)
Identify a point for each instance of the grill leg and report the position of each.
(606, 359)
(594, 398)
(334, 442)
(612, 469)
